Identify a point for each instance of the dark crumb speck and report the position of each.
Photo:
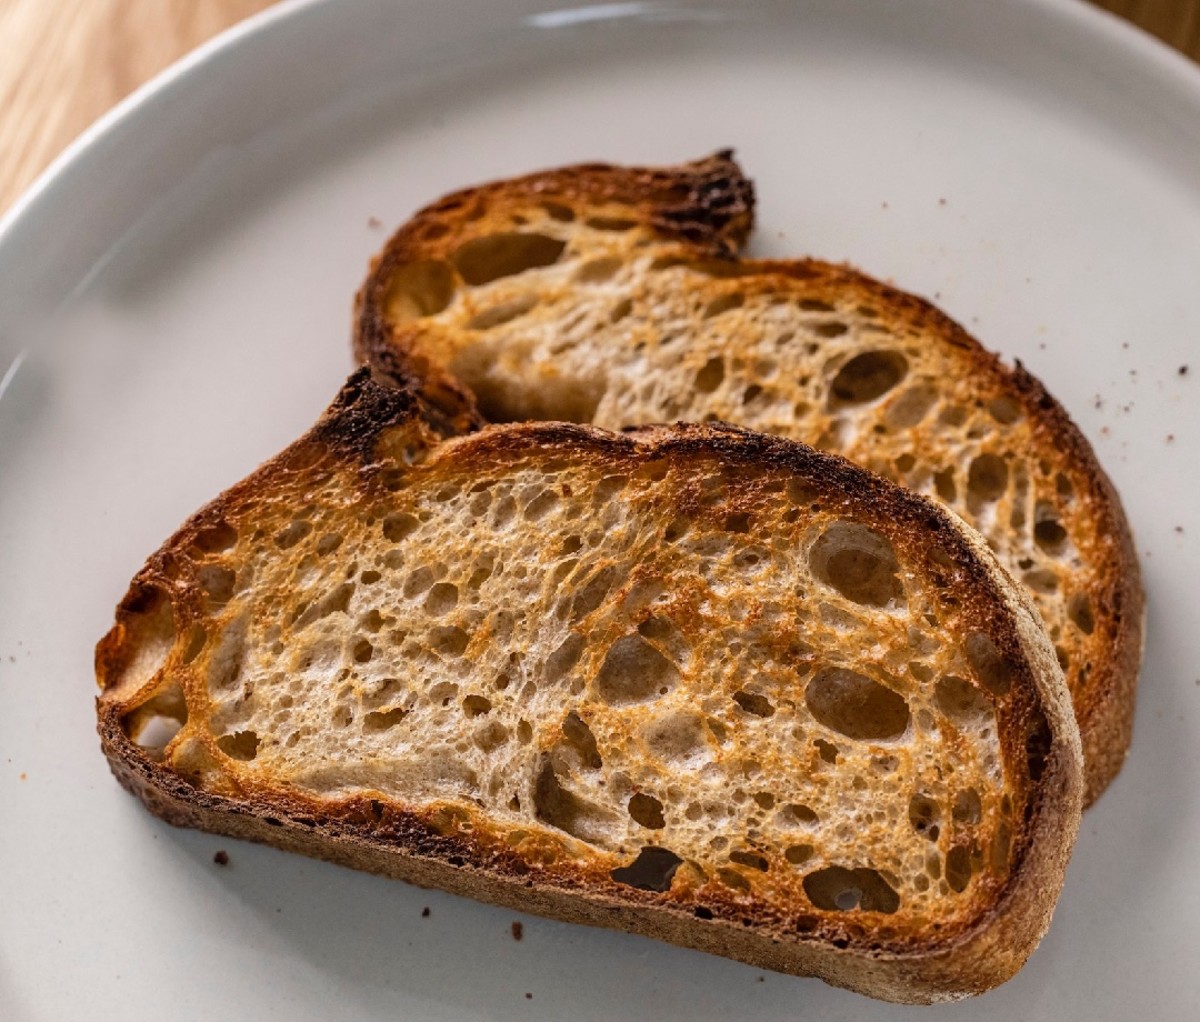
(425, 913)
(1170, 438)
(1179, 529)
(528, 996)
(221, 857)
(518, 930)
(883, 205)
(374, 223)
(1097, 402)
(941, 202)
(1183, 370)
(763, 979)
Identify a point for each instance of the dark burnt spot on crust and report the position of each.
(362, 409)
(708, 200)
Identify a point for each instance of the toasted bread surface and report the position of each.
(693, 682)
(591, 294)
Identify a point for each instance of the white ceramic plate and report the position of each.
(174, 307)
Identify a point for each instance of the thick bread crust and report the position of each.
(441, 340)
(360, 449)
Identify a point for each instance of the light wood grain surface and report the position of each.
(65, 62)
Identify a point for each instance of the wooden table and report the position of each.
(64, 62)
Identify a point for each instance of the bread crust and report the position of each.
(372, 432)
(1102, 677)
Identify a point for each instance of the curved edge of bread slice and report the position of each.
(167, 654)
(475, 288)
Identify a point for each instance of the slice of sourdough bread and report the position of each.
(692, 682)
(613, 296)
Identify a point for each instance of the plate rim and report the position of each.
(1174, 69)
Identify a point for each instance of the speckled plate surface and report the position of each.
(174, 307)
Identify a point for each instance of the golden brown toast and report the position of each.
(614, 296)
(693, 682)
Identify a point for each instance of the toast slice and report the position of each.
(613, 296)
(692, 682)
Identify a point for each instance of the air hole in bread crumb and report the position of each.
(753, 703)
(867, 377)
(798, 854)
(731, 878)
(1004, 409)
(710, 375)
(910, 407)
(476, 705)
(619, 311)
(943, 482)
(610, 223)
(579, 736)
(598, 271)
(987, 477)
(1037, 746)
(382, 720)
(856, 706)
(968, 807)
(216, 538)
(961, 701)
(752, 859)
(958, 868)
(652, 870)
(815, 305)
(559, 211)
(1042, 581)
(833, 328)
(152, 725)
(923, 814)
(442, 598)
(827, 750)
(218, 583)
(634, 671)
(647, 811)
(540, 504)
(363, 651)
(723, 303)
(905, 463)
(1079, 610)
(288, 537)
(991, 668)
(739, 523)
(1048, 531)
(483, 260)
(858, 562)
(418, 289)
(194, 642)
(561, 808)
(241, 745)
(449, 640)
(796, 814)
(675, 530)
(399, 526)
(838, 889)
